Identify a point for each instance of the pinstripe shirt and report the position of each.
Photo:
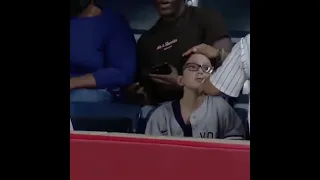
(230, 77)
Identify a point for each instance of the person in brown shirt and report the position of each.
(179, 28)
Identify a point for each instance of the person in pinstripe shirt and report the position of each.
(230, 77)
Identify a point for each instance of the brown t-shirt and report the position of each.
(166, 41)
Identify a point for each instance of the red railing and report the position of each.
(120, 157)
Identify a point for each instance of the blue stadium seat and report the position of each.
(123, 125)
(241, 107)
(96, 113)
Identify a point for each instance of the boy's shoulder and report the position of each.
(164, 109)
(217, 102)
(216, 99)
(167, 106)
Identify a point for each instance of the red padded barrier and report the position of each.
(104, 157)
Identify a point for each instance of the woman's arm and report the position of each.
(120, 50)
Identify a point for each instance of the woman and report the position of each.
(102, 60)
(102, 52)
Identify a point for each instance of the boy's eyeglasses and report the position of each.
(195, 67)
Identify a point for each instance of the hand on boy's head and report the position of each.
(204, 49)
(171, 79)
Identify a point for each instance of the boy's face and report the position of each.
(196, 69)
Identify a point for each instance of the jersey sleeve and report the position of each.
(230, 125)
(230, 77)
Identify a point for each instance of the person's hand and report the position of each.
(170, 79)
(200, 90)
(72, 83)
(135, 90)
(204, 49)
(133, 87)
(206, 88)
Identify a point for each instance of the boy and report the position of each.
(196, 115)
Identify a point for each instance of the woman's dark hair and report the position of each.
(214, 62)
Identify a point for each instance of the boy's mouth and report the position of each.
(200, 80)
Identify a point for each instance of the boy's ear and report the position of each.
(180, 81)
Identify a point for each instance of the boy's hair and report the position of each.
(184, 60)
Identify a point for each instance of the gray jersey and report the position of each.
(215, 118)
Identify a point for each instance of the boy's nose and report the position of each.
(200, 70)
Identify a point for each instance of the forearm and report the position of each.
(230, 76)
(225, 46)
(224, 43)
(223, 54)
(210, 89)
(84, 81)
